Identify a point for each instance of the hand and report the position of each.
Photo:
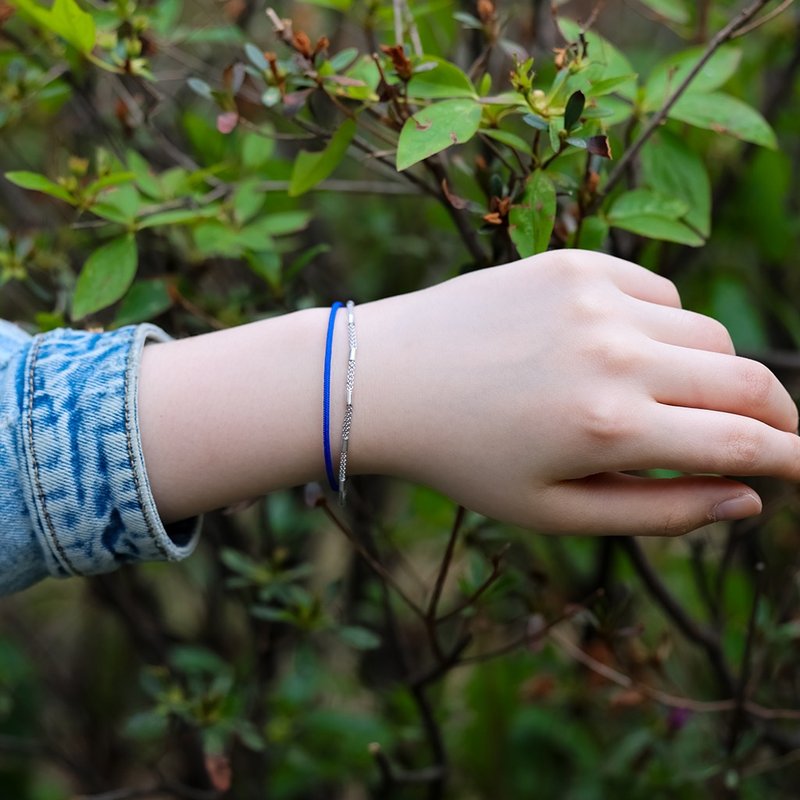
(525, 392)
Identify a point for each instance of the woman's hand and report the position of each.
(525, 392)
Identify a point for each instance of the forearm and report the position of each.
(233, 414)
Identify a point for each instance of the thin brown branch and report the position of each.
(444, 567)
(666, 699)
(377, 567)
(691, 629)
(739, 718)
(497, 561)
(768, 17)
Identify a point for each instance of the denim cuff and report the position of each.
(85, 482)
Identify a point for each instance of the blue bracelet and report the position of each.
(326, 400)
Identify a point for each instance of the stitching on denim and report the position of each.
(50, 531)
(128, 401)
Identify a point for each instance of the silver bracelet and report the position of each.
(348, 411)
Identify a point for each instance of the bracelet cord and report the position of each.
(326, 400)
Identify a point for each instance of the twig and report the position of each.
(768, 17)
(490, 579)
(696, 633)
(532, 637)
(666, 699)
(769, 765)
(720, 38)
(393, 776)
(738, 718)
(445, 565)
(377, 567)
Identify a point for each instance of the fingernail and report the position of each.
(745, 505)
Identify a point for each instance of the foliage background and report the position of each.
(405, 649)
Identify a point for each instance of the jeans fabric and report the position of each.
(74, 494)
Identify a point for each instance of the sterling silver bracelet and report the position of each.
(348, 411)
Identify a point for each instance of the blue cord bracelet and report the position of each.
(326, 400)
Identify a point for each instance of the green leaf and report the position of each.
(532, 221)
(603, 87)
(646, 202)
(535, 121)
(178, 216)
(669, 74)
(732, 304)
(256, 56)
(284, 222)
(667, 230)
(304, 259)
(255, 150)
(66, 19)
(670, 167)
(107, 181)
(574, 109)
(444, 80)
(343, 59)
(724, 114)
(554, 129)
(145, 178)
(654, 215)
(669, 10)
(311, 168)
(106, 276)
(200, 88)
(255, 236)
(593, 234)
(267, 265)
(213, 238)
(38, 183)
(436, 128)
(144, 300)
(124, 200)
(248, 198)
(358, 637)
(509, 139)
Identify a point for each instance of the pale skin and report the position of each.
(524, 392)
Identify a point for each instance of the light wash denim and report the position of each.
(74, 493)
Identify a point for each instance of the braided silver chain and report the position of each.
(348, 412)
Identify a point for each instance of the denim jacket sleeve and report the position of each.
(74, 494)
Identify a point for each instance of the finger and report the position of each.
(701, 441)
(613, 503)
(639, 282)
(681, 327)
(718, 382)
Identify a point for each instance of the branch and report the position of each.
(738, 718)
(445, 565)
(721, 37)
(702, 636)
(376, 565)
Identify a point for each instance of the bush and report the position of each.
(161, 165)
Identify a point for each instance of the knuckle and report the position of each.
(671, 292)
(588, 307)
(607, 421)
(757, 384)
(745, 449)
(717, 336)
(615, 356)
